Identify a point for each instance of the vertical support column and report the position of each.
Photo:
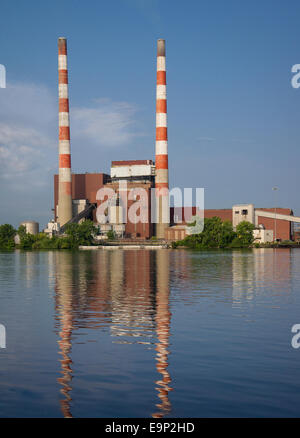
(161, 145)
(65, 176)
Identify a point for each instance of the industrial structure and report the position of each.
(64, 189)
(161, 145)
(76, 199)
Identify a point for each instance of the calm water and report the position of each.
(150, 333)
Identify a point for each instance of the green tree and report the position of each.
(111, 235)
(216, 234)
(7, 234)
(244, 231)
(26, 239)
(80, 234)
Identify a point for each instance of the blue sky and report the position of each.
(233, 116)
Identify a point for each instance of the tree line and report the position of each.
(75, 235)
(218, 234)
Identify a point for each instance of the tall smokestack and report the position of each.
(161, 147)
(65, 177)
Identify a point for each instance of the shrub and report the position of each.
(218, 234)
(7, 234)
(111, 235)
(80, 234)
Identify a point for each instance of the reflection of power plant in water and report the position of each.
(255, 269)
(132, 296)
(116, 290)
(64, 308)
(163, 321)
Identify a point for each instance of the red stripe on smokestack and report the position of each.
(161, 146)
(63, 76)
(65, 177)
(65, 160)
(162, 133)
(161, 106)
(64, 133)
(63, 105)
(161, 78)
(162, 161)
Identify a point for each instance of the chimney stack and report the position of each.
(161, 146)
(65, 176)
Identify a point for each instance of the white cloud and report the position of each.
(29, 144)
(107, 123)
(28, 130)
(27, 114)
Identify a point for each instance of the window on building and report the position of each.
(236, 212)
(245, 212)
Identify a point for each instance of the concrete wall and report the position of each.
(132, 171)
(263, 236)
(32, 227)
(242, 212)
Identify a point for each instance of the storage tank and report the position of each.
(32, 227)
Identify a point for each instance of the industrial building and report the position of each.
(75, 195)
(281, 222)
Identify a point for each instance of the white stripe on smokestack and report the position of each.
(65, 176)
(161, 146)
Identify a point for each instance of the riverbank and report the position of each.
(271, 245)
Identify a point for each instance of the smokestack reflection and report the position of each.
(124, 293)
(163, 321)
(64, 308)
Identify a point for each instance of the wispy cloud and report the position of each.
(27, 135)
(106, 123)
(28, 130)
(29, 143)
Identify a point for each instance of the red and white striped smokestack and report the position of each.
(161, 147)
(65, 177)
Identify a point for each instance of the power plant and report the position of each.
(76, 196)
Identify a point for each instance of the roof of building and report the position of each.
(130, 162)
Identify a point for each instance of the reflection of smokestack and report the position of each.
(161, 146)
(64, 310)
(64, 181)
(163, 322)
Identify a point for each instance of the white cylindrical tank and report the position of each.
(32, 227)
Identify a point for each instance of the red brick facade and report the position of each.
(140, 229)
(84, 186)
(283, 227)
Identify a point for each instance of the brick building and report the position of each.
(139, 174)
(284, 229)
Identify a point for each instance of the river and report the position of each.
(150, 333)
